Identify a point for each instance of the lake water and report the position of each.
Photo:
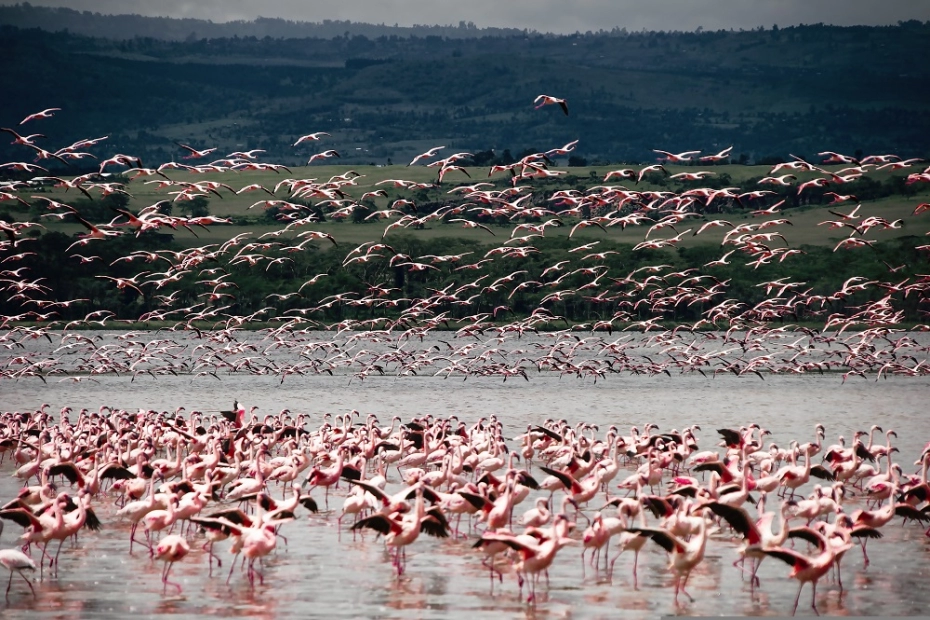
(321, 571)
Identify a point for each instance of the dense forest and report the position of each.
(384, 97)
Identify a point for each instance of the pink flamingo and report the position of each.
(170, 549)
(16, 560)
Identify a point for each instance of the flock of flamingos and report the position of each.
(228, 477)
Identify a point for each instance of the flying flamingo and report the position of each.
(311, 137)
(194, 153)
(323, 155)
(676, 158)
(543, 100)
(430, 153)
(18, 139)
(47, 113)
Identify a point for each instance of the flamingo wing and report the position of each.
(510, 541)
(309, 503)
(378, 493)
(21, 516)
(68, 470)
(234, 516)
(435, 523)
(566, 480)
(527, 480)
(865, 532)
(738, 520)
(380, 523)
(663, 538)
(477, 501)
(350, 473)
(909, 512)
(863, 453)
(819, 471)
(731, 437)
(546, 431)
(91, 521)
(428, 494)
(807, 534)
(711, 466)
(787, 556)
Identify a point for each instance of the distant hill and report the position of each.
(385, 98)
(94, 24)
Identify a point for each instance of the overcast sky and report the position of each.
(563, 16)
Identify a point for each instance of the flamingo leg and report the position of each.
(754, 580)
(26, 579)
(610, 571)
(684, 583)
(797, 598)
(232, 568)
(635, 563)
(164, 578)
(814, 597)
(60, 543)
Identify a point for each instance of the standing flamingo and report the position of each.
(170, 549)
(16, 560)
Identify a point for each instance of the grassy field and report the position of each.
(806, 221)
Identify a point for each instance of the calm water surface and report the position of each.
(320, 572)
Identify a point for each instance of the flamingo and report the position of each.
(677, 158)
(170, 549)
(402, 530)
(543, 100)
(536, 555)
(255, 540)
(194, 153)
(46, 113)
(430, 153)
(16, 560)
(807, 569)
(311, 137)
(684, 555)
(628, 540)
(324, 155)
(756, 534)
